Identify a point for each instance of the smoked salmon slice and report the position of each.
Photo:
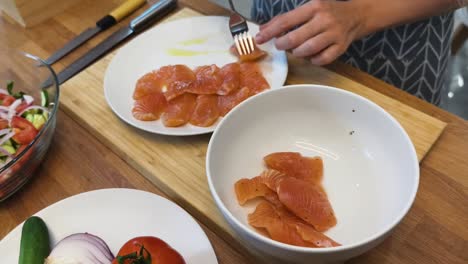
(248, 189)
(295, 165)
(252, 77)
(265, 217)
(256, 55)
(149, 107)
(271, 178)
(228, 102)
(209, 80)
(231, 78)
(179, 110)
(306, 232)
(311, 235)
(223, 89)
(206, 111)
(307, 201)
(177, 79)
(147, 84)
(294, 208)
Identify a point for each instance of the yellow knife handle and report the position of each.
(119, 13)
(126, 9)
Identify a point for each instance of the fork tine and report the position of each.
(241, 42)
(236, 41)
(246, 44)
(252, 47)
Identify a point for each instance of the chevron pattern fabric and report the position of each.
(412, 57)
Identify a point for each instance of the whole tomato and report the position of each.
(147, 250)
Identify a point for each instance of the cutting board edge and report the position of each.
(443, 126)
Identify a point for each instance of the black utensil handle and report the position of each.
(119, 13)
(232, 6)
(106, 22)
(154, 13)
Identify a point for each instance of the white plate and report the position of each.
(156, 48)
(117, 215)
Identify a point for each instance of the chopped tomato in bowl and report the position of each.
(27, 120)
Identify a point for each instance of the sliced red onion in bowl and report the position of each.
(80, 248)
(3, 91)
(4, 108)
(7, 137)
(4, 131)
(4, 115)
(28, 99)
(44, 109)
(14, 105)
(12, 109)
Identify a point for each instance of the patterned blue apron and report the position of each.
(412, 57)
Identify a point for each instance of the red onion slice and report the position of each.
(45, 110)
(14, 105)
(28, 99)
(3, 91)
(12, 109)
(4, 131)
(7, 137)
(95, 240)
(4, 108)
(80, 248)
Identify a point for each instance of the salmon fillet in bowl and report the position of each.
(370, 172)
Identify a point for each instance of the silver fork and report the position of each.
(240, 32)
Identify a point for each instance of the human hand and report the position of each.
(327, 28)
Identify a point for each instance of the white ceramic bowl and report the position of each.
(371, 171)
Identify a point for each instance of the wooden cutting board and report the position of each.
(177, 164)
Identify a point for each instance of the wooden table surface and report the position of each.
(78, 162)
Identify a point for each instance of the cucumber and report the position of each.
(8, 143)
(35, 244)
(9, 148)
(44, 98)
(38, 121)
(30, 117)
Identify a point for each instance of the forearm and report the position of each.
(380, 14)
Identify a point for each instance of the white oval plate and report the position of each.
(161, 46)
(117, 215)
